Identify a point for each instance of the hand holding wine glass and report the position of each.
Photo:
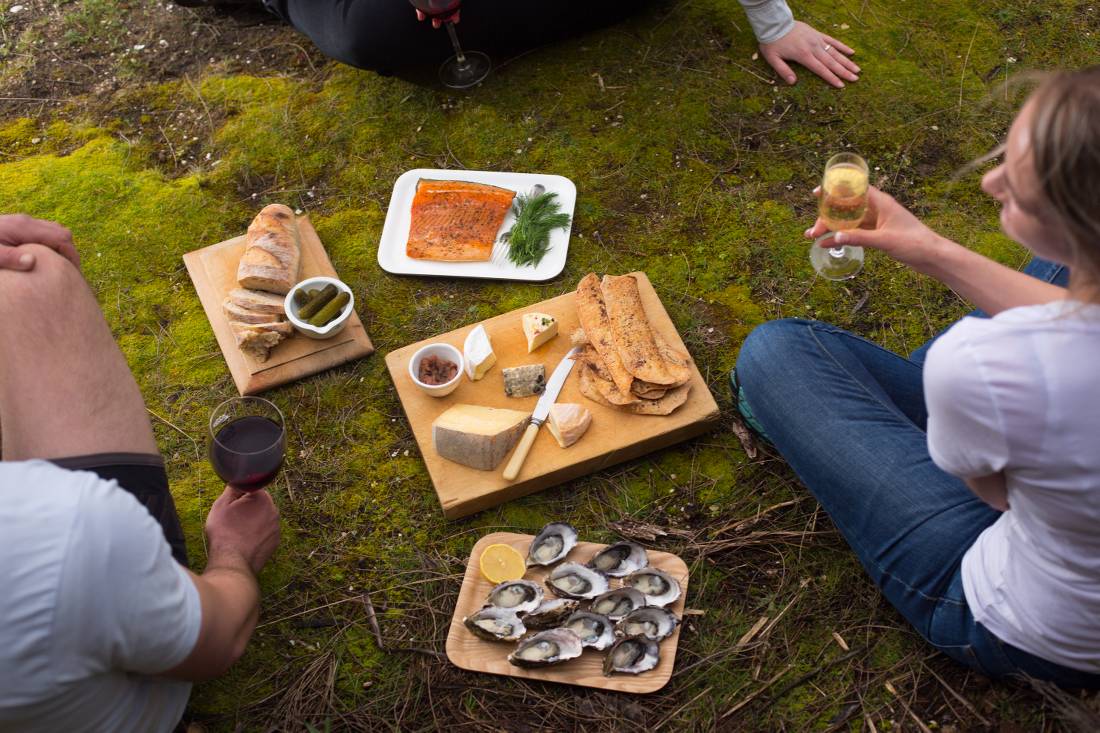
(245, 524)
(247, 442)
(889, 227)
(465, 68)
(841, 206)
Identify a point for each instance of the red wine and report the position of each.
(248, 452)
(437, 8)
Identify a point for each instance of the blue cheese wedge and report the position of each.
(478, 354)
(538, 328)
(476, 436)
(524, 381)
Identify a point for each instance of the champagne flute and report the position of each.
(464, 69)
(842, 206)
(247, 442)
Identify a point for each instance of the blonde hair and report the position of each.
(1065, 143)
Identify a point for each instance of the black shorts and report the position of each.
(143, 475)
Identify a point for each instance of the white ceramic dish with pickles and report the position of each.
(333, 327)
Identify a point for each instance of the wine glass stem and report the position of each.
(459, 56)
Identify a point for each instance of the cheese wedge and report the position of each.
(478, 354)
(475, 436)
(538, 328)
(568, 422)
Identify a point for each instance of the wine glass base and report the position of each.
(463, 76)
(836, 263)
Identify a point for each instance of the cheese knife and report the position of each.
(542, 411)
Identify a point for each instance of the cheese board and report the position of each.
(392, 256)
(477, 655)
(612, 437)
(213, 271)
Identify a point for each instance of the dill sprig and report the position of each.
(536, 216)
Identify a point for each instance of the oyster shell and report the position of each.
(631, 655)
(552, 543)
(618, 603)
(550, 613)
(573, 580)
(659, 588)
(495, 624)
(593, 629)
(520, 596)
(546, 647)
(619, 559)
(651, 622)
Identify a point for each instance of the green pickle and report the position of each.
(310, 309)
(330, 311)
(301, 297)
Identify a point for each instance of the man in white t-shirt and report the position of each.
(102, 627)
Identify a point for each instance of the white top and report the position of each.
(770, 19)
(1020, 393)
(92, 604)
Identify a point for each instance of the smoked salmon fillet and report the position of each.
(456, 221)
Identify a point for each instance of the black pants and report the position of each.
(385, 36)
(142, 475)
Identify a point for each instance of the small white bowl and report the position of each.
(333, 327)
(442, 351)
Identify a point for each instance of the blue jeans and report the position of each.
(849, 417)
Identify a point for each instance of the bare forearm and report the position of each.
(987, 284)
(991, 489)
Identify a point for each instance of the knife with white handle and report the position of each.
(542, 411)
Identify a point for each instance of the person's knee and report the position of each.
(49, 285)
(768, 345)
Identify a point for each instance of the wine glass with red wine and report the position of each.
(247, 442)
(464, 69)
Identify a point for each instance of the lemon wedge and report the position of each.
(502, 562)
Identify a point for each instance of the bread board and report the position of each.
(478, 655)
(615, 436)
(213, 271)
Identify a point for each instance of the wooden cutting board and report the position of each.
(478, 655)
(213, 270)
(613, 437)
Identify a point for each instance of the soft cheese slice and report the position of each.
(478, 354)
(538, 328)
(568, 422)
(475, 436)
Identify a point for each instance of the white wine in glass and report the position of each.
(842, 206)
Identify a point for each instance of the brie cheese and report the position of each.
(478, 354)
(568, 422)
(538, 328)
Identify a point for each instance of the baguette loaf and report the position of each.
(257, 301)
(283, 328)
(272, 252)
(234, 312)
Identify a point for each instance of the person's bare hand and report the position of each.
(888, 226)
(438, 22)
(821, 54)
(19, 229)
(245, 524)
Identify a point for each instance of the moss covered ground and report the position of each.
(690, 165)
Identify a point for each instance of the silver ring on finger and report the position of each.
(828, 47)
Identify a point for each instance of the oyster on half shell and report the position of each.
(495, 624)
(658, 587)
(619, 559)
(520, 596)
(617, 603)
(631, 655)
(546, 647)
(552, 543)
(550, 613)
(651, 622)
(593, 629)
(576, 581)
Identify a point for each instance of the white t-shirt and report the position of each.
(1020, 393)
(91, 605)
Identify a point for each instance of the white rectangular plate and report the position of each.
(395, 233)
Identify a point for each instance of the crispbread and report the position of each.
(592, 312)
(633, 336)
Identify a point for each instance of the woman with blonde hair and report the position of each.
(967, 476)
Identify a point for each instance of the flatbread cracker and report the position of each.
(664, 406)
(592, 312)
(590, 358)
(633, 336)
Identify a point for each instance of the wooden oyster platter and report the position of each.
(614, 436)
(477, 655)
(213, 270)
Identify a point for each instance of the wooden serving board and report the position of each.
(614, 436)
(213, 270)
(478, 655)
